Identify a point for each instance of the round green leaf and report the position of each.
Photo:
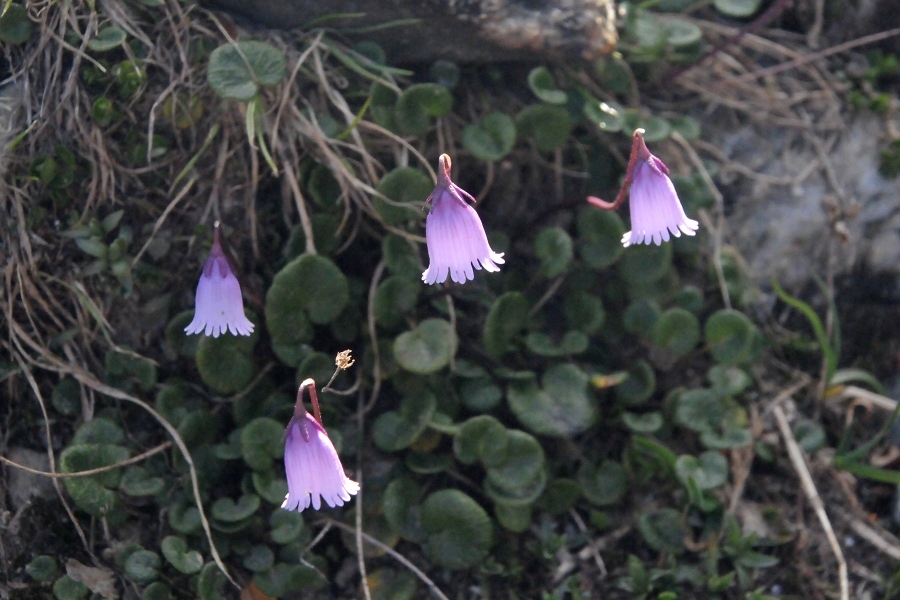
(394, 297)
(729, 335)
(66, 397)
(644, 423)
(542, 84)
(549, 125)
(490, 139)
(397, 429)
(603, 485)
(506, 319)
(402, 511)
(514, 517)
(175, 549)
(211, 583)
(93, 494)
(237, 70)
(15, 26)
(426, 349)
(99, 431)
(709, 471)
(224, 363)
(227, 511)
(639, 385)
(427, 463)
(687, 127)
(459, 530)
(445, 73)
(42, 568)
(664, 531)
(553, 246)
(561, 408)
(156, 590)
(482, 438)
(573, 342)
(560, 495)
(418, 103)
(599, 236)
(261, 443)
(185, 345)
(677, 330)
(728, 381)
(287, 526)
(184, 519)
(733, 437)
(400, 256)
(523, 464)
(143, 566)
(270, 488)
(648, 31)
(643, 264)
(641, 317)
(584, 312)
(681, 34)
(407, 188)
(690, 298)
(656, 129)
(480, 394)
(259, 559)
(137, 482)
(66, 588)
(739, 9)
(608, 117)
(107, 38)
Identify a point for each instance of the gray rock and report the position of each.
(783, 230)
(457, 30)
(24, 486)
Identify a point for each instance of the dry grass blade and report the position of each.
(395, 555)
(812, 494)
(97, 471)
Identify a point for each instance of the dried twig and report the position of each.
(812, 494)
(98, 470)
(395, 555)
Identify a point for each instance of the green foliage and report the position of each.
(15, 27)
(541, 82)
(294, 303)
(427, 348)
(407, 189)
(548, 125)
(459, 530)
(490, 139)
(506, 319)
(41, 568)
(237, 70)
(175, 549)
(559, 408)
(93, 494)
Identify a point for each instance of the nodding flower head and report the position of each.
(314, 471)
(454, 234)
(218, 306)
(656, 210)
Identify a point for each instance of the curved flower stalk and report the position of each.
(218, 306)
(454, 234)
(656, 210)
(314, 471)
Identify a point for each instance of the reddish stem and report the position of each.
(638, 152)
(309, 383)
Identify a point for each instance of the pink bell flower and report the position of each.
(314, 471)
(218, 306)
(656, 210)
(454, 234)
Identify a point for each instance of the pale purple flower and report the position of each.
(454, 234)
(218, 306)
(314, 471)
(656, 210)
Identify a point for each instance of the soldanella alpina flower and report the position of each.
(314, 471)
(454, 234)
(656, 210)
(218, 306)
